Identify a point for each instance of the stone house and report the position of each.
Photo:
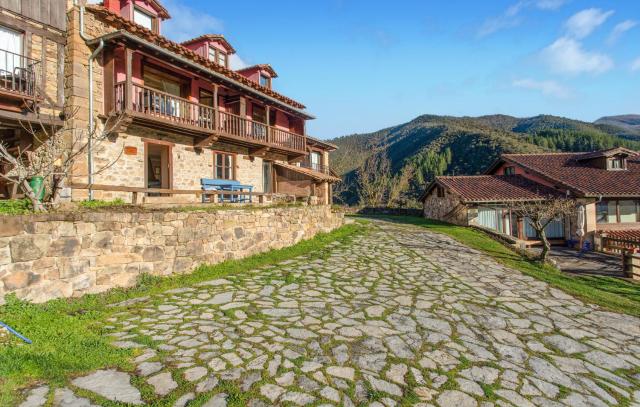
(606, 183)
(175, 113)
(32, 44)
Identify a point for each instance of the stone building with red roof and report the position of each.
(606, 182)
(180, 115)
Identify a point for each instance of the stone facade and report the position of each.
(447, 209)
(69, 254)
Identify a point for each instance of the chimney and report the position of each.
(112, 5)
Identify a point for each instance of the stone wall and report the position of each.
(447, 208)
(69, 254)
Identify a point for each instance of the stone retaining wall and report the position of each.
(69, 254)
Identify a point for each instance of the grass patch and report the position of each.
(609, 292)
(68, 335)
(97, 203)
(15, 207)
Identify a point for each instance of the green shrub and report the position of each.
(15, 207)
(97, 203)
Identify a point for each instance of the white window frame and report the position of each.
(13, 43)
(139, 12)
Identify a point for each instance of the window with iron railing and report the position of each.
(18, 73)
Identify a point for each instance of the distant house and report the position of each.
(606, 182)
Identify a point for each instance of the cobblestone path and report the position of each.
(402, 315)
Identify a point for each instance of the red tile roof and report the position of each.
(264, 67)
(495, 188)
(569, 171)
(211, 37)
(122, 23)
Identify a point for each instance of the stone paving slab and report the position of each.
(400, 315)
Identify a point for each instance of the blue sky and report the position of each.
(363, 65)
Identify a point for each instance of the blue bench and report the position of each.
(227, 185)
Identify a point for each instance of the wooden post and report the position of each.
(216, 115)
(268, 114)
(129, 84)
(109, 82)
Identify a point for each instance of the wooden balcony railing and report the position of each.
(306, 163)
(156, 104)
(19, 74)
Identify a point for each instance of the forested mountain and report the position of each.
(626, 126)
(417, 151)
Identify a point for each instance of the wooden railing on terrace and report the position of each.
(620, 246)
(213, 196)
(157, 104)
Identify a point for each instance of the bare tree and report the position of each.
(52, 155)
(399, 185)
(373, 179)
(541, 213)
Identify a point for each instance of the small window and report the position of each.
(217, 56)
(10, 53)
(440, 192)
(223, 166)
(205, 97)
(222, 59)
(510, 171)
(606, 212)
(142, 18)
(616, 163)
(628, 211)
(265, 81)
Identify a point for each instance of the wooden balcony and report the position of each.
(162, 110)
(306, 163)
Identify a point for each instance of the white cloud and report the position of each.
(548, 88)
(620, 29)
(635, 65)
(235, 62)
(186, 23)
(566, 55)
(550, 4)
(512, 16)
(583, 23)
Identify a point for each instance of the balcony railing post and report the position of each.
(129, 83)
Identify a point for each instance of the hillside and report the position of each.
(443, 145)
(626, 126)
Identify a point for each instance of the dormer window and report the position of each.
(616, 163)
(510, 171)
(265, 81)
(217, 56)
(143, 18)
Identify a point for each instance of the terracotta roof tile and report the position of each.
(211, 37)
(496, 188)
(582, 177)
(264, 67)
(320, 176)
(121, 23)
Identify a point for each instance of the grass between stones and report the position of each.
(609, 292)
(69, 337)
